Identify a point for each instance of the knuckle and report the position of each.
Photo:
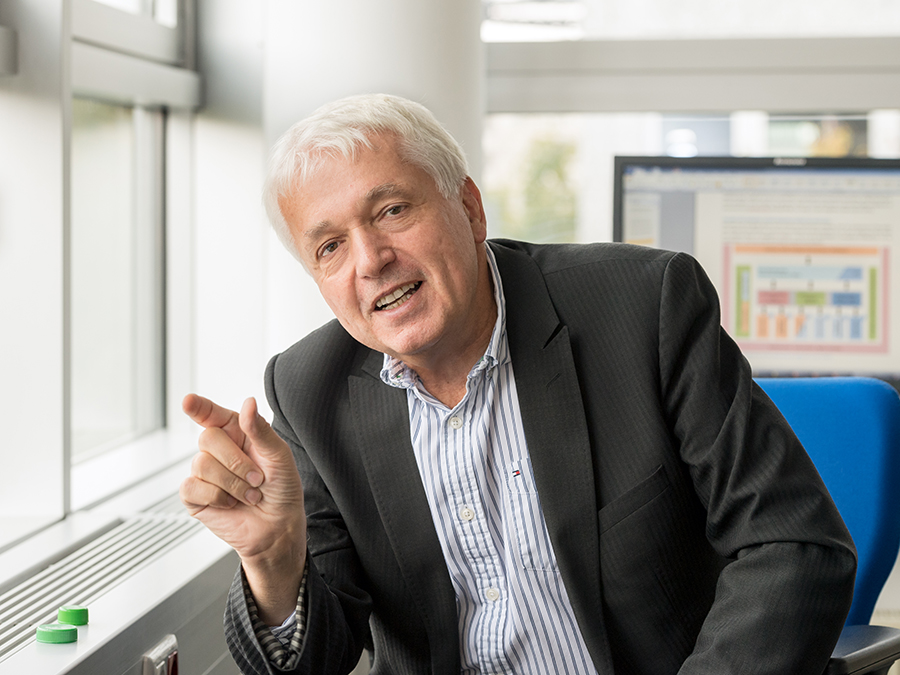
(187, 492)
(218, 450)
(197, 494)
(197, 464)
(235, 465)
(235, 486)
(222, 499)
(183, 491)
(208, 438)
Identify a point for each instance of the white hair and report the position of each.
(345, 126)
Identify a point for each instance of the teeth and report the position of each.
(391, 299)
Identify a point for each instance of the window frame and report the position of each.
(135, 34)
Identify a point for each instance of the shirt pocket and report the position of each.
(529, 538)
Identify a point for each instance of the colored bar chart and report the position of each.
(808, 297)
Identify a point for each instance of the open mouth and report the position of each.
(397, 297)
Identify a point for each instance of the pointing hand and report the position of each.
(245, 488)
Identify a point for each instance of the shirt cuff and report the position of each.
(281, 644)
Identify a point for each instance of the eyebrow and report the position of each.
(314, 231)
(384, 190)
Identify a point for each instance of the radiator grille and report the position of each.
(171, 504)
(89, 572)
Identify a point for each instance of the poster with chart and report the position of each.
(808, 298)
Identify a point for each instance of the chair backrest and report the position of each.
(850, 426)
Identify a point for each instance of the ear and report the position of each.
(471, 199)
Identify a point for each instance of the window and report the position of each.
(116, 289)
(84, 125)
(164, 12)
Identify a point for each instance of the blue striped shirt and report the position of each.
(514, 613)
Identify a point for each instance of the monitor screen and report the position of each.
(801, 251)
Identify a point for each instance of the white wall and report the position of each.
(32, 212)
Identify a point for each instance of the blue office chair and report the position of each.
(850, 426)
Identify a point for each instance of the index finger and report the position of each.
(206, 413)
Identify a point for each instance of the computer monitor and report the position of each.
(803, 252)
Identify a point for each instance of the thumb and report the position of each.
(257, 429)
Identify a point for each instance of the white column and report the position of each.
(316, 52)
(430, 52)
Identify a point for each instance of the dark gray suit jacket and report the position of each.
(692, 532)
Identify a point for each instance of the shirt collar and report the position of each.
(397, 374)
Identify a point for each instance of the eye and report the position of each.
(328, 249)
(395, 210)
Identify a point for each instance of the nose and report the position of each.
(372, 251)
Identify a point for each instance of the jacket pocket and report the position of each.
(640, 495)
(655, 575)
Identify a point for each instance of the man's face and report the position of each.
(402, 268)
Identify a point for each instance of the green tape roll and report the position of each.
(75, 615)
(57, 633)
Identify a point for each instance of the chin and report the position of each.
(406, 350)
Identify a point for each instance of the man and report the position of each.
(512, 458)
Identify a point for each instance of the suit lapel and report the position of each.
(382, 428)
(557, 437)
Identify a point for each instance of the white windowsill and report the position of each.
(17, 528)
(113, 472)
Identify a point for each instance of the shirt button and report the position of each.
(455, 422)
(466, 513)
(492, 594)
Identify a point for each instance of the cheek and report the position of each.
(464, 273)
(340, 297)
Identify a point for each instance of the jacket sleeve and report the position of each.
(337, 609)
(782, 599)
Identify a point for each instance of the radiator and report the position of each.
(152, 575)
